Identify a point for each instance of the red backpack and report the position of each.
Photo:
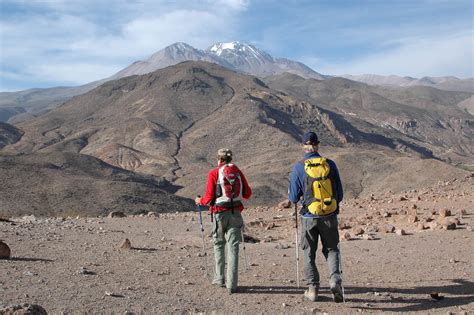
(229, 187)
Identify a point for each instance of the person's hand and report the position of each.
(198, 200)
(284, 204)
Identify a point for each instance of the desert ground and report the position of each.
(397, 251)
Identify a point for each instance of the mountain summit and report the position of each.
(236, 56)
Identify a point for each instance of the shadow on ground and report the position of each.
(459, 292)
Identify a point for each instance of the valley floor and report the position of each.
(75, 265)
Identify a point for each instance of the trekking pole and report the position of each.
(297, 247)
(204, 252)
(246, 262)
(340, 271)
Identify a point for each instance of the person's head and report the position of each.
(310, 142)
(224, 155)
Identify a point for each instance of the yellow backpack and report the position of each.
(318, 195)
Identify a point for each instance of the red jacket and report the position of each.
(210, 194)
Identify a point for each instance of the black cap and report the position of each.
(310, 138)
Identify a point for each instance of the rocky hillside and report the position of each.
(421, 120)
(8, 134)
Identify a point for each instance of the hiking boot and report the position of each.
(337, 294)
(311, 294)
(219, 282)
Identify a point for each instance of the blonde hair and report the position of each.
(224, 155)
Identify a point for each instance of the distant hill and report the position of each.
(70, 184)
(448, 83)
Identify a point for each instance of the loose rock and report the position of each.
(401, 232)
(116, 214)
(4, 251)
(444, 213)
(346, 236)
(126, 244)
(368, 237)
(449, 225)
(358, 230)
(24, 309)
(387, 228)
(420, 226)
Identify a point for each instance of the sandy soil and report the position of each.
(75, 265)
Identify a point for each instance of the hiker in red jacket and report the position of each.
(226, 187)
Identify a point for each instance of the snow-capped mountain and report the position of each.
(249, 59)
(168, 56)
(237, 56)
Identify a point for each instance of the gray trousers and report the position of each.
(326, 228)
(227, 230)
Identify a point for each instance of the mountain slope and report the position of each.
(420, 119)
(171, 122)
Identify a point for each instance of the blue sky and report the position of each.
(72, 42)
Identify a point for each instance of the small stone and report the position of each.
(403, 198)
(126, 244)
(386, 214)
(371, 229)
(346, 236)
(462, 212)
(358, 231)
(412, 219)
(284, 305)
(152, 214)
(23, 309)
(282, 246)
(456, 220)
(449, 225)
(444, 213)
(5, 251)
(368, 237)
(344, 226)
(270, 226)
(433, 225)
(116, 214)
(401, 232)
(420, 226)
(414, 207)
(387, 228)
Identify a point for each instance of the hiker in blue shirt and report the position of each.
(321, 194)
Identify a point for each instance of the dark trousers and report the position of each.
(326, 229)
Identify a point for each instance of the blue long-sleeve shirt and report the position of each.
(296, 188)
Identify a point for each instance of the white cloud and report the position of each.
(438, 55)
(71, 74)
(94, 47)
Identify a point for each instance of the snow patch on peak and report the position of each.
(235, 46)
